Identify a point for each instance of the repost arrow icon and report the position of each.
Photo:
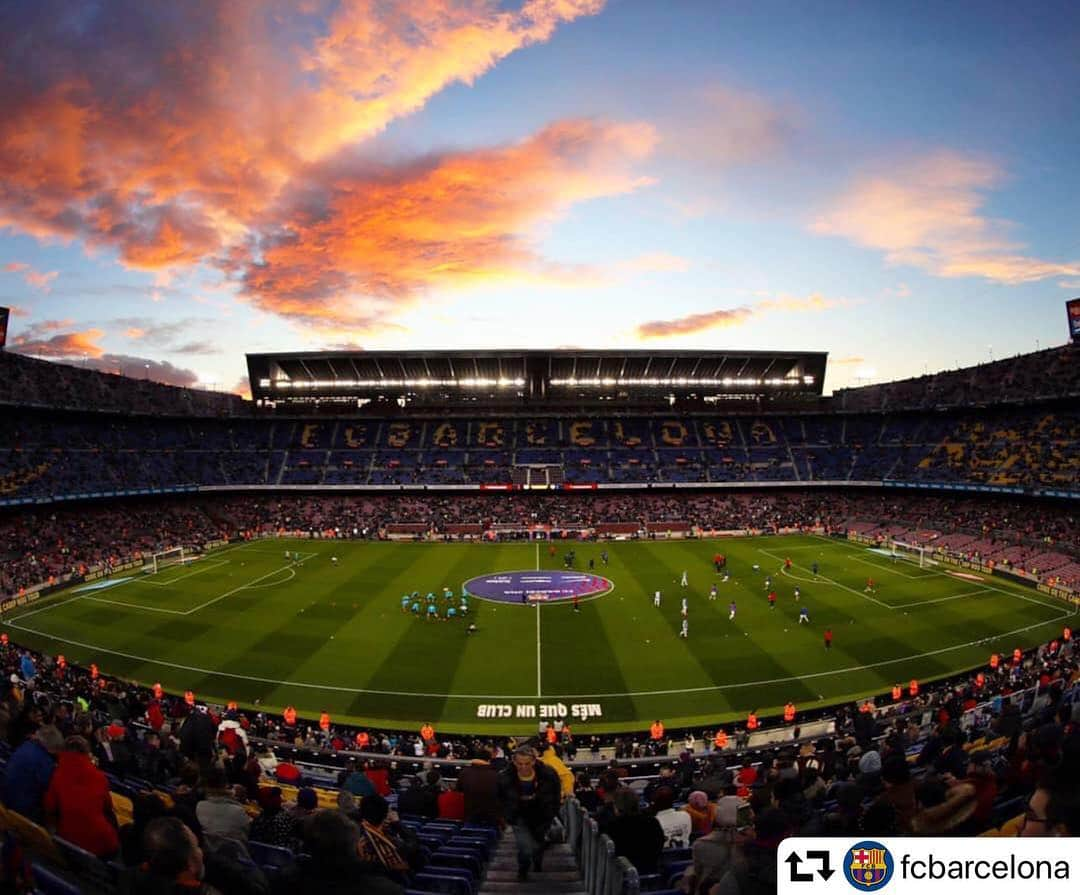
(826, 871)
(794, 861)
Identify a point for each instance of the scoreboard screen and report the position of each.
(1072, 308)
(4, 313)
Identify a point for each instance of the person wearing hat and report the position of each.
(701, 811)
(273, 825)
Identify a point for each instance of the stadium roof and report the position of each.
(533, 375)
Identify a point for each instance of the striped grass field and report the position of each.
(246, 623)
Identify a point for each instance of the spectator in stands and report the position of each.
(174, 862)
(29, 772)
(307, 802)
(356, 781)
(274, 825)
(942, 808)
(421, 799)
(222, 818)
(550, 756)
(146, 807)
(197, 737)
(378, 847)
(714, 852)
(479, 784)
(898, 790)
(638, 837)
(702, 812)
(335, 868)
(584, 792)
(755, 871)
(675, 824)
(452, 803)
(529, 794)
(78, 804)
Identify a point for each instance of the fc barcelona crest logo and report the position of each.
(868, 866)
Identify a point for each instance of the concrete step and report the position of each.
(510, 875)
(535, 885)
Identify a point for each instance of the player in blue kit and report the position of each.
(405, 601)
(414, 607)
(432, 612)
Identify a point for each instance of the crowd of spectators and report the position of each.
(1053, 373)
(40, 544)
(29, 382)
(45, 455)
(994, 750)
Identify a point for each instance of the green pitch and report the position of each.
(246, 623)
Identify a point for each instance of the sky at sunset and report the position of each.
(180, 183)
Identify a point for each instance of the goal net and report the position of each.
(921, 556)
(177, 556)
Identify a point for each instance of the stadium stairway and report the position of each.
(560, 875)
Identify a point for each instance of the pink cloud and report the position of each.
(40, 280)
(927, 213)
(723, 318)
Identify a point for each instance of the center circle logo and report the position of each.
(868, 866)
(537, 587)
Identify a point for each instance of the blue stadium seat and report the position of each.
(270, 855)
(49, 882)
(442, 883)
(85, 865)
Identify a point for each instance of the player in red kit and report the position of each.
(828, 638)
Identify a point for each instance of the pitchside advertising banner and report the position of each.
(929, 866)
(4, 313)
(1072, 308)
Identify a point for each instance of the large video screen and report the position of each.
(3, 326)
(1073, 309)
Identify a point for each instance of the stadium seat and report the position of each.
(48, 881)
(271, 856)
(86, 866)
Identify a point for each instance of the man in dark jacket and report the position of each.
(480, 784)
(30, 770)
(638, 837)
(529, 795)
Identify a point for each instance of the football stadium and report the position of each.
(754, 568)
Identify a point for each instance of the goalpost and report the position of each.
(914, 553)
(177, 556)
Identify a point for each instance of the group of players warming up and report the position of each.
(771, 595)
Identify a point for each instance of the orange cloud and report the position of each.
(170, 151)
(38, 279)
(927, 214)
(693, 323)
(72, 344)
(730, 317)
(359, 239)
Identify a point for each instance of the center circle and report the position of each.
(536, 587)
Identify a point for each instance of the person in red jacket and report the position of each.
(452, 804)
(78, 802)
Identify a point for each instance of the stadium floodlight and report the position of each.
(683, 382)
(469, 382)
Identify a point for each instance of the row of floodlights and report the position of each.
(726, 382)
(391, 383)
